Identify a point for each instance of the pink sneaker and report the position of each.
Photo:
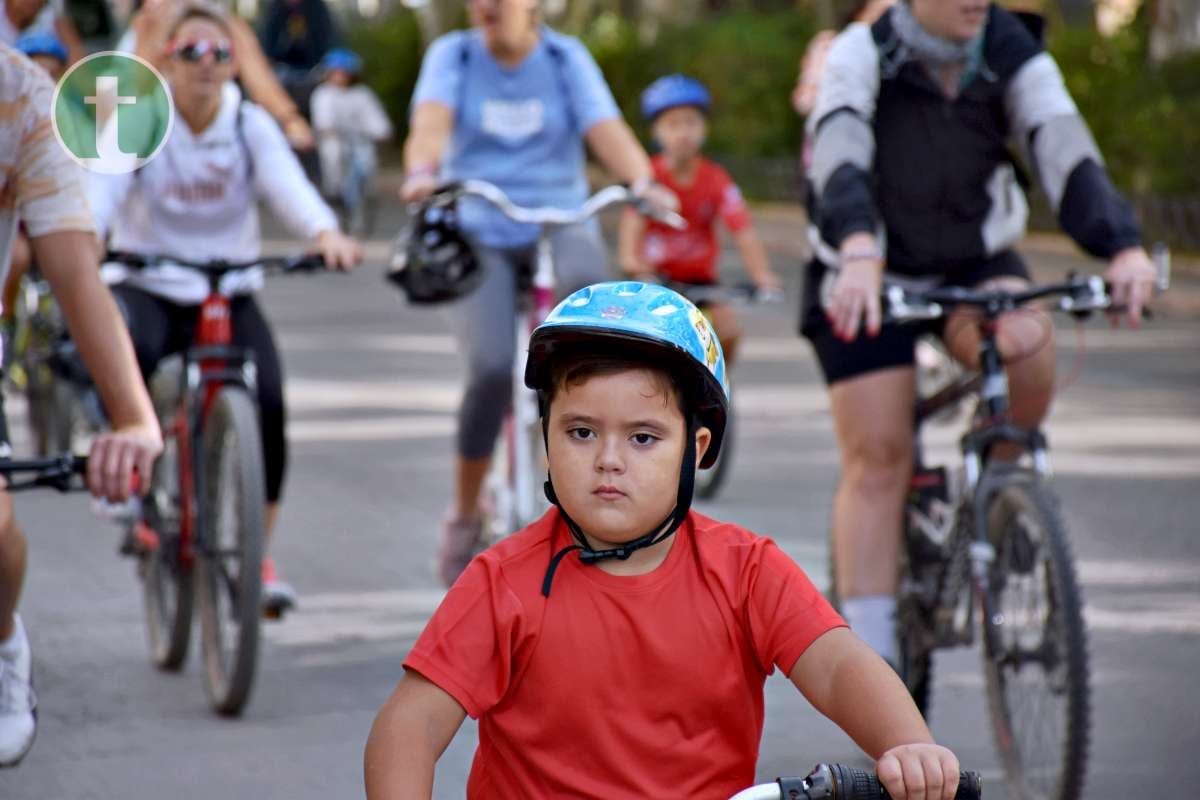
(459, 541)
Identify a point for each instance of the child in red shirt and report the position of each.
(677, 108)
(634, 667)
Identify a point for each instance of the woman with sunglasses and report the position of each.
(512, 102)
(197, 199)
(150, 27)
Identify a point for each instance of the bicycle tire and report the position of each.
(168, 586)
(1016, 514)
(234, 503)
(710, 481)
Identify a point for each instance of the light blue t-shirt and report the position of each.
(521, 129)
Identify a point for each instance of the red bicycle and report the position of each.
(201, 529)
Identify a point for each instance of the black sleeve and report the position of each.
(1094, 213)
(847, 205)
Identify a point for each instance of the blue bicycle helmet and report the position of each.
(42, 44)
(669, 330)
(674, 91)
(343, 59)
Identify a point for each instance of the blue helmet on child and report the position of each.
(42, 44)
(648, 318)
(674, 91)
(343, 59)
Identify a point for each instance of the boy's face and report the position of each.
(616, 450)
(681, 131)
(339, 77)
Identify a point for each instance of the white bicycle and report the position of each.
(513, 490)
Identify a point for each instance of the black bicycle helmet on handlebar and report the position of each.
(433, 262)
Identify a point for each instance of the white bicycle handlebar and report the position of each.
(609, 196)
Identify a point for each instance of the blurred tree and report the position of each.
(1174, 28)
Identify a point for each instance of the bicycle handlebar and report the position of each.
(840, 782)
(608, 196)
(55, 472)
(1079, 296)
(309, 262)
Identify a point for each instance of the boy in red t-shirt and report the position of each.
(633, 668)
(677, 108)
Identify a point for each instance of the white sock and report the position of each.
(15, 643)
(873, 618)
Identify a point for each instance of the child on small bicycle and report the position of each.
(349, 120)
(677, 108)
(635, 666)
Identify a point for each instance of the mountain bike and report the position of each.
(986, 541)
(709, 481)
(64, 407)
(840, 782)
(512, 490)
(200, 532)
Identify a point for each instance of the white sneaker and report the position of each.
(18, 703)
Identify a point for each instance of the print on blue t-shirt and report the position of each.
(520, 128)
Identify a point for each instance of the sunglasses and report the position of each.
(194, 51)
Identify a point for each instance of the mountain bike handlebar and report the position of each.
(309, 262)
(55, 472)
(1078, 296)
(608, 196)
(840, 782)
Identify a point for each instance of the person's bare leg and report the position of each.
(13, 554)
(729, 331)
(271, 517)
(872, 417)
(1026, 339)
(470, 473)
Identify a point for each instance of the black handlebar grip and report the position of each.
(852, 783)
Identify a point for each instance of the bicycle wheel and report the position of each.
(709, 481)
(167, 585)
(231, 548)
(1035, 650)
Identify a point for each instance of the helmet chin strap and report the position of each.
(659, 533)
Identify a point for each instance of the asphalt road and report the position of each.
(373, 386)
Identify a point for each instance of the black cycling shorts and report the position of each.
(895, 346)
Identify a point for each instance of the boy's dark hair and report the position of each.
(576, 365)
(200, 12)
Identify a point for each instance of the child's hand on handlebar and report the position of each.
(918, 772)
(115, 456)
(339, 250)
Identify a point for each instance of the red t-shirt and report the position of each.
(691, 255)
(620, 686)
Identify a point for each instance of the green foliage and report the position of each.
(1145, 117)
(391, 49)
(749, 62)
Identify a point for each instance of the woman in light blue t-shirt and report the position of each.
(514, 103)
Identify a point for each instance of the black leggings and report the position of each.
(160, 328)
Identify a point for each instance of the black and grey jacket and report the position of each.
(892, 155)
